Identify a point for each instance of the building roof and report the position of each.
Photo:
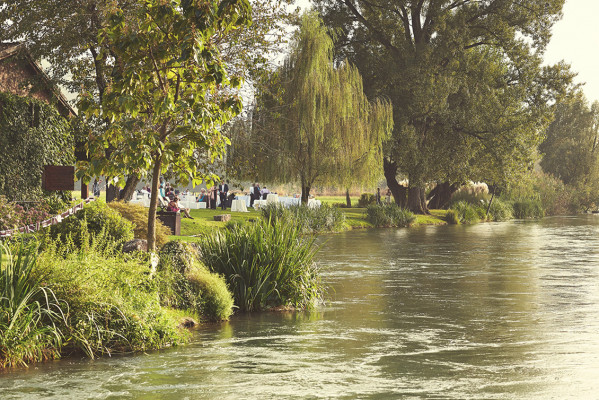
(8, 50)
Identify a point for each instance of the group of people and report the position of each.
(256, 193)
(170, 196)
(216, 192)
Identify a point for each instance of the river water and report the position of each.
(490, 311)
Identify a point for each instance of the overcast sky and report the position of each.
(576, 41)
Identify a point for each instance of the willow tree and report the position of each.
(313, 123)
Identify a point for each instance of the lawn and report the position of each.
(204, 222)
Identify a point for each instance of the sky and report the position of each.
(576, 41)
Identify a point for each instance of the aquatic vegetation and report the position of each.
(265, 263)
(383, 215)
(325, 218)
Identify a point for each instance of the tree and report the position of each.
(65, 33)
(312, 121)
(570, 148)
(470, 96)
(168, 97)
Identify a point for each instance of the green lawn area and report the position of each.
(204, 222)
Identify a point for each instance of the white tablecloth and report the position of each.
(313, 203)
(259, 203)
(238, 205)
(272, 198)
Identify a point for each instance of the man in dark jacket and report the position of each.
(222, 191)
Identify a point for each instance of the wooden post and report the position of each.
(84, 190)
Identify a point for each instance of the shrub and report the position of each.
(389, 215)
(266, 264)
(528, 209)
(95, 218)
(452, 217)
(138, 216)
(185, 283)
(467, 213)
(28, 311)
(13, 215)
(500, 210)
(366, 199)
(310, 220)
(470, 195)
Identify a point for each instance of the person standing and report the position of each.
(256, 192)
(222, 192)
(96, 188)
(378, 196)
(252, 194)
(213, 196)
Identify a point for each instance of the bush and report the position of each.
(13, 215)
(310, 220)
(528, 209)
(266, 264)
(366, 199)
(467, 213)
(452, 217)
(389, 215)
(138, 216)
(500, 210)
(95, 218)
(185, 283)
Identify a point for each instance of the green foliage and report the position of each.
(452, 217)
(500, 210)
(266, 264)
(113, 303)
(29, 312)
(467, 213)
(389, 215)
(319, 125)
(470, 196)
(448, 68)
(325, 218)
(528, 209)
(171, 95)
(366, 199)
(32, 134)
(95, 218)
(138, 216)
(185, 283)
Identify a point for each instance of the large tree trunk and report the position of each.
(398, 191)
(417, 200)
(305, 193)
(127, 192)
(154, 203)
(347, 198)
(439, 197)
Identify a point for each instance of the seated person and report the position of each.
(203, 197)
(174, 206)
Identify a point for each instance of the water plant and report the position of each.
(383, 215)
(268, 263)
(325, 218)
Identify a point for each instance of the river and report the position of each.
(489, 311)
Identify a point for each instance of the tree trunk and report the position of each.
(347, 198)
(112, 192)
(153, 203)
(417, 200)
(490, 203)
(305, 193)
(398, 191)
(439, 197)
(127, 192)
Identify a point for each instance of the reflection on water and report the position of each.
(499, 310)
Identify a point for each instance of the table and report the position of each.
(259, 203)
(238, 205)
(272, 198)
(313, 203)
